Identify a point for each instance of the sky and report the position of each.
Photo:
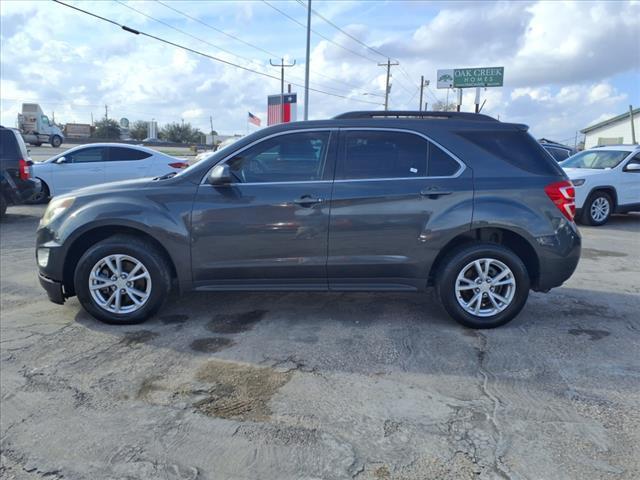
(567, 64)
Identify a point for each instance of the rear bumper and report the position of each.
(53, 289)
(558, 257)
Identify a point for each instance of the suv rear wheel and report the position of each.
(123, 279)
(483, 285)
(597, 209)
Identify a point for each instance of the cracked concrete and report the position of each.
(324, 386)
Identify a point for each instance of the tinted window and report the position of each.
(294, 157)
(93, 154)
(373, 154)
(8, 146)
(119, 154)
(558, 153)
(515, 147)
(440, 163)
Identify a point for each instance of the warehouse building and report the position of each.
(614, 131)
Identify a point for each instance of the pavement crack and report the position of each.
(500, 469)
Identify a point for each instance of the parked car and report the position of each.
(557, 150)
(16, 183)
(607, 181)
(378, 201)
(96, 163)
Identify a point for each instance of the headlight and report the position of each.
(56, 207)
(577, 183)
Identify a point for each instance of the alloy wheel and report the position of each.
(120, 284)
(599, 210)
(485, 287)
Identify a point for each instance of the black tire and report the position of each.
(588, 214)
(56, 141)
(42, 196)
(3, 205)
(37, 144)
(456, 261)
(145, 252)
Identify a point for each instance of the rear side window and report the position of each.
(8, 146)
(515, 147)
(440, 163)
(122, 154)
(379, 154)
(558, 153)
(87, 155)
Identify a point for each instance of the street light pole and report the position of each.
(306, 66)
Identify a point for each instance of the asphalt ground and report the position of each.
(324, 386)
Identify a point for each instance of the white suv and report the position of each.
(607, 180)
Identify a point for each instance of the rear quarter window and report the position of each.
(516, 148)
(8, 149)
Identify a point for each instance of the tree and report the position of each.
(441, 106)
(181, 133)
(107, 129)
(139, 129)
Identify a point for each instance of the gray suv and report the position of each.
(367, 201)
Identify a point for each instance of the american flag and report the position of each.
(281, 108)
(253, 119)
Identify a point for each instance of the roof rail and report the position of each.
(415, 114)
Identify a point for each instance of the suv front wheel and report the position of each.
(123, 279)
(597, 209)
(483, 285)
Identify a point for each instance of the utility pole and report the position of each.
(282, 65)
(426, 104)
(211, 123)
(306, 64)
(633, 128)
(388, 87)
(106, 112)
(423, 84)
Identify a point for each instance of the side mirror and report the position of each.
(632, 167)
(220, 175)
(61, 160)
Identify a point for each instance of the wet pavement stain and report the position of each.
(211, 344)
(593, 334)
(171, 319)
(139, 336)
(594, 253)
(235, 322)
(148, 386)
(239, 391)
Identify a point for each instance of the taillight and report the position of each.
(25, 174)
(179, 165)
(563, 195)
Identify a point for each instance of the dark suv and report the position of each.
(375, 201)
(16, 184)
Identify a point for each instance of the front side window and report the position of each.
(294, 157)
(122, 154)
(93, 154)
(380, 154)
(597, 159)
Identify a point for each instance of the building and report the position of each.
(613, 131)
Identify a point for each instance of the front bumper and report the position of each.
(53, 289)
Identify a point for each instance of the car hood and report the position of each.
(113, 187)
(575, 173)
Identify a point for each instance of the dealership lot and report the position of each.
(306, 385)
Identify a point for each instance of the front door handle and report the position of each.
(308, 201)
(434, 192)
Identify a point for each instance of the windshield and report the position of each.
(598, 159)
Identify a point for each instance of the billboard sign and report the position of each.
(471, 77)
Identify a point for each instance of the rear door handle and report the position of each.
(434, 192)
(307, 201)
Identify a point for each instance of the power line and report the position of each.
(319, 34)
(218, 47)
(197, 52)
(378, 52)
(271, 54)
